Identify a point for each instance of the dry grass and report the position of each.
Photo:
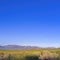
(21, 54)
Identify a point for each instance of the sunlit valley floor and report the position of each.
(39, 54)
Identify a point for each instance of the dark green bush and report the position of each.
(31, 58)
(10, 57)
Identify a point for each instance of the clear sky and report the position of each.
(30, 22)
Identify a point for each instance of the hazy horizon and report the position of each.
(30, 23)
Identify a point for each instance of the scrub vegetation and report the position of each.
(41, 54)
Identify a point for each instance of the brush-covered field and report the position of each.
(41, 54)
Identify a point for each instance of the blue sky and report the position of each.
(30, 22)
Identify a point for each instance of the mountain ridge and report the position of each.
(20, 47)
(17, 47)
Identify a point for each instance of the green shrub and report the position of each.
(31, 58)
(10, 57)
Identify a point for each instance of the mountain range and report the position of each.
(17, 47)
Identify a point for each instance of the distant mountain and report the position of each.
(17, 47)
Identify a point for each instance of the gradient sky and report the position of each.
(30, 22)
